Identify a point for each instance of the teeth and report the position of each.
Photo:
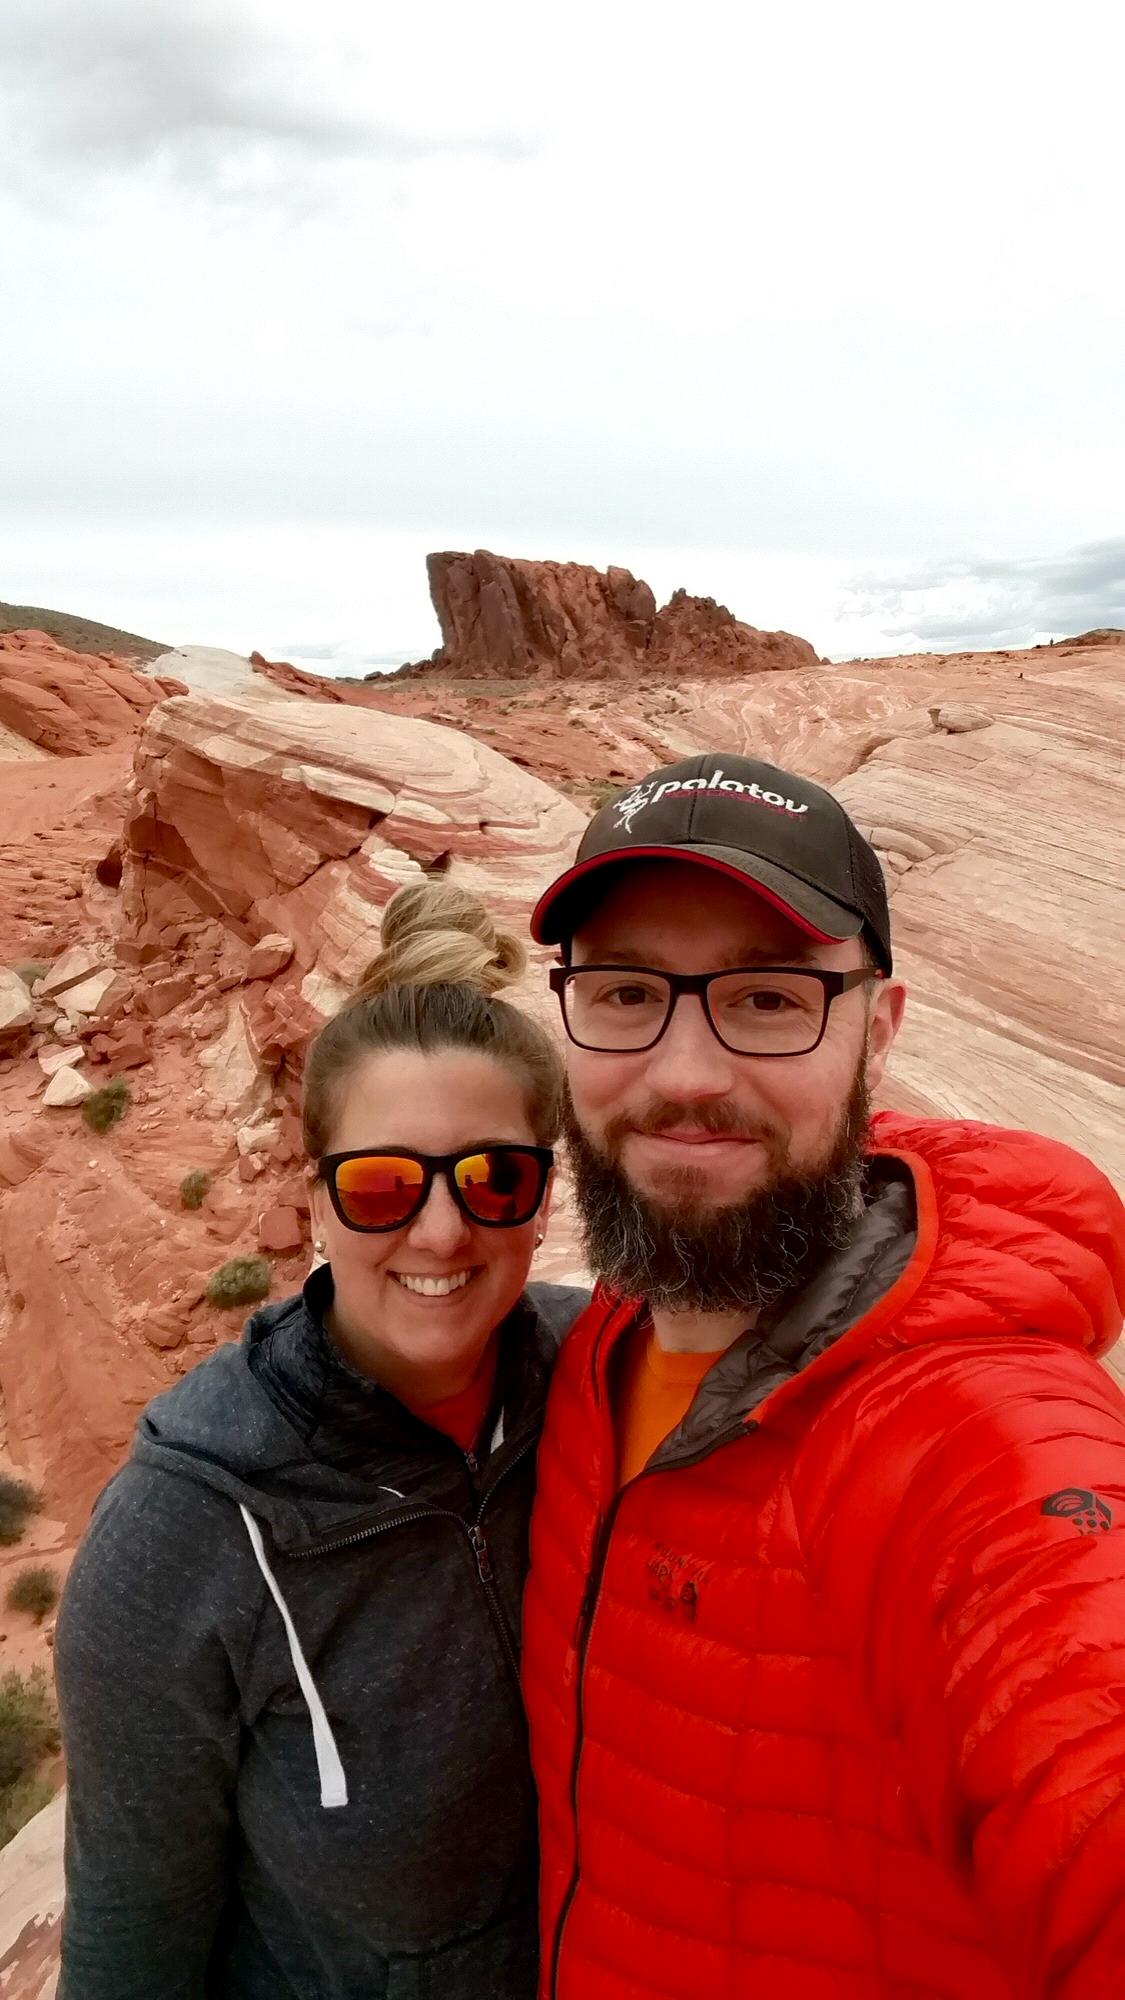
(434, 1288)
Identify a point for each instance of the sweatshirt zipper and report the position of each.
(477, 1542)
(583, 1635)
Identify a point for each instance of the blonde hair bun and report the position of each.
(435, 933)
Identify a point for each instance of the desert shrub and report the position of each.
(35, 1590)
(17, 1502)
(29, 972)
(604, 792)
(194, 1187)
(104, 1107)
(239, 1282)
(29, 1726)
(22, 1803)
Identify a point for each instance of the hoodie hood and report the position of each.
(1017, 1234)
(281, 1424)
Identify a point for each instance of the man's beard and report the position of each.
(682, 1255)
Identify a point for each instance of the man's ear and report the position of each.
(883, 1025)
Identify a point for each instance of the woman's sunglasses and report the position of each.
(498, 1186)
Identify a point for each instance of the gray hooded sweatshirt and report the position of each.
(288, 1676)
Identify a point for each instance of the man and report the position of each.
(825, 1633)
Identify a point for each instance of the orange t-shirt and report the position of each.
(462, 1416)
(655, 1390)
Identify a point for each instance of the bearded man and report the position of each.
(825, 1632)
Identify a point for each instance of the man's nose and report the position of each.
(440, 1229)
(689, 1061)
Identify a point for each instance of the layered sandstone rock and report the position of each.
(298, 819)
(31, 1905)
(506, 619)
(73, 703)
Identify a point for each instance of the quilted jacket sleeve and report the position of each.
(976, 1551)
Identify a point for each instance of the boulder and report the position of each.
(52, 1060)
(279, 1229)
(269, 956)
(17, 1011)
(66, 1088)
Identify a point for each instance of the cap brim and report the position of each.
(560, 912)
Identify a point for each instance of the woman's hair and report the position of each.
(434, 986)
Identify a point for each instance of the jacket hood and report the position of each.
(1017, 1234)
(269, 1420)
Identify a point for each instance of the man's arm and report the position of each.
(151, 1733)
(976, 1547)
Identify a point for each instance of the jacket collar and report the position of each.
(347, 1419)
(844, 1288)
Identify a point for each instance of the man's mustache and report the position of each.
(714, 1116)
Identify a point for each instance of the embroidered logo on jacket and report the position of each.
(674, 1582)
(1090, 1514)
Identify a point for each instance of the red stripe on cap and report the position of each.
(558, 889)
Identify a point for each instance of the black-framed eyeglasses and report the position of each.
(498, 1186)
(753, 1010)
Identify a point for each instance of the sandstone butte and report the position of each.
(159, 879)
(501, 617)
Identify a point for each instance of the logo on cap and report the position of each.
(627, 808)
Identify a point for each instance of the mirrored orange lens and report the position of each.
(379, 1191)
(500, 1185)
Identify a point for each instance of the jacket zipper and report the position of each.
(583, 1635)
(477, 1542)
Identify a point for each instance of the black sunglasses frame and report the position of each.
(432, 1164)
(833, 983)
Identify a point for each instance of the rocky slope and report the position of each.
(260, 831)
(71, 703)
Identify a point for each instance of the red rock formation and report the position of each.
(72, 703)
(505, 619)
(695, 636)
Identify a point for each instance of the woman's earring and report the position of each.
(539, 1238)
(320, 1246)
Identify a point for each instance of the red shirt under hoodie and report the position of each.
(828, 1702)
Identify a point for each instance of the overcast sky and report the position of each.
(819, 310)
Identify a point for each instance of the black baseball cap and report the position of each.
(789, 840)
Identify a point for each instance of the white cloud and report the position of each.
(200, 90)
(773, 300)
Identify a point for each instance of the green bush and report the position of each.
(194, 1187)
(34, 1590)
(17, 1502)
(104, 1107)
(29, 1726)
(21, 1804)
(604, 792)
(239, 1282)
(29, 972)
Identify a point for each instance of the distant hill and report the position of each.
(82, 635)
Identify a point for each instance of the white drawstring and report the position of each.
(497, 1435)
(333, 1784)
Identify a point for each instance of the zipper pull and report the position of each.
(480, 1550)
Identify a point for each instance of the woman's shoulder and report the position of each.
(556, 1307)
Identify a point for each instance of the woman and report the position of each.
(287, 1653)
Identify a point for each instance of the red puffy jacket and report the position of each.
(829, 1702)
